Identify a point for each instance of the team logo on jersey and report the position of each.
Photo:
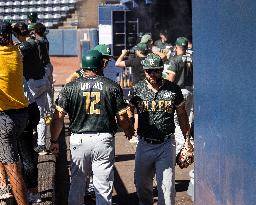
(151, 62)
(168, 95)
(155, 106)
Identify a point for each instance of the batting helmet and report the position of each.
(92, 60)
(152, 61)
(103, 49)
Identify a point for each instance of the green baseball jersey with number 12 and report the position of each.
(92, 104)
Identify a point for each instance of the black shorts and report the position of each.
(12, 124)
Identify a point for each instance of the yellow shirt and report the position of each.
(11, 79)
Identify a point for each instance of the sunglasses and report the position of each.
(155, 71)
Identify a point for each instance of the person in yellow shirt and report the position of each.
(13, 114)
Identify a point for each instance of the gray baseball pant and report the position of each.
(159, 160)
(40, 91)
(92, 152)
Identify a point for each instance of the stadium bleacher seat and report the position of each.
(16, 10)
(41, 16)
(56, 2)
(8, 11)
(39, 2)
(15, 17)
(48, 24)
(57, 16)
(32, 9)
(48, 9)
(49, 2)
(32, 3)
(23, 17)
(64, 8)
(8, 3)
(56, 8)
(16, 3)
(48, 16)
(50, 12)
(7, 17)
(24, 3)
(24, 10)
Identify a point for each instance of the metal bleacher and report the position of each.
(50, 12)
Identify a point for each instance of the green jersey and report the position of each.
(33, 67)
(92, 104)
(156, 110)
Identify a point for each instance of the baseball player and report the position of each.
(180, 71)
(163, 42)
(105, 51)
(92, 103)
(38, 82)
(156, 100)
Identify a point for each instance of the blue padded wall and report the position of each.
(225, 114)
(63, 42)
(55, 38)
(70, 42)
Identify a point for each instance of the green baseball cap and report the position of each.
(103, 49)
(145, 38)
(152, 61)
(142, 47)
(172, 66)
(182, 41)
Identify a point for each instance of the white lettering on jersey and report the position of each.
(98, 85)
(87, 86)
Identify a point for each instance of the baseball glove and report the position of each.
(186, 155)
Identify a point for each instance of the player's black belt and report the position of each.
(156, 141)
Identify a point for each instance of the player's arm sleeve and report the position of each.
(181, 113)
